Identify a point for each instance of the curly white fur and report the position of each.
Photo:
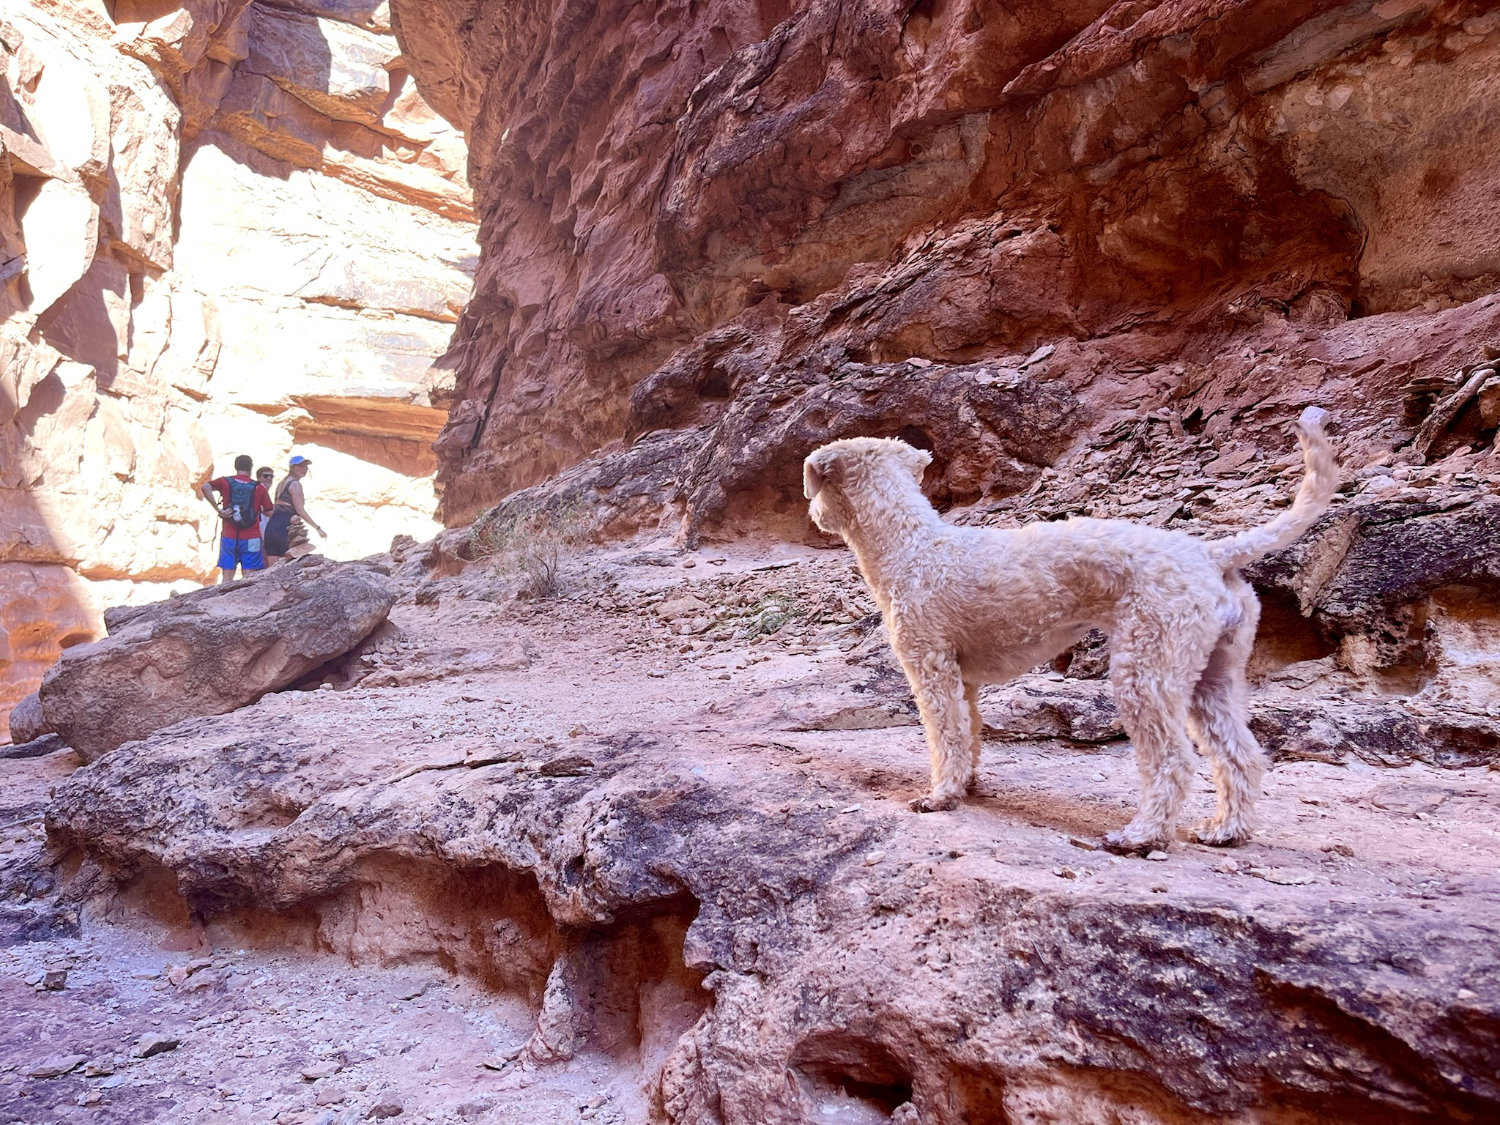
(970, 606)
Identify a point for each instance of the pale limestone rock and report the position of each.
(336, 68)
(202, 255)
(65, 220)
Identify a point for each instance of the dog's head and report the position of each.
(835, 475)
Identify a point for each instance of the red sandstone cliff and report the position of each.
(695, 219)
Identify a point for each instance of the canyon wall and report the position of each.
(227, 228)
(713, 235)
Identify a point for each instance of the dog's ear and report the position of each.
(917, 460)
(821, 467)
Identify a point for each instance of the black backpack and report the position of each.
(242, 503)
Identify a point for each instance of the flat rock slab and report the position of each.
(977, 964)
(210, 651)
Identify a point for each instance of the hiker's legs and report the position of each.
(229, 558)
(252, 562)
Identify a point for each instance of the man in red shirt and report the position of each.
(243, 502)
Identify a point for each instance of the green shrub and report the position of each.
(772, 613)
(531, 544)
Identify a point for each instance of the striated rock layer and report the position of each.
(224, 228)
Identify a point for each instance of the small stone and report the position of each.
(387, 1106)
(57, 1066)
(1283, 876)
(153, 1043)
(873, 858)
(501, 1058)
(1158, 888)
(657, 673)
(1157, 856)
(688, 564)
(1100, 777)
(1466, 994)
(55, 980)
(330, 1094)
(1065, 873)
(411, 990)
(1081, 842)
(320, 1070)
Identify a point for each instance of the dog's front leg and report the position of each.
(939, 688)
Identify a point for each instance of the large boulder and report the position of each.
(210, 651)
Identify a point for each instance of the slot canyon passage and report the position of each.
(580, 793)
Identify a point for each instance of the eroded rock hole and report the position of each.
(849, 1080)
(1285, 637)
(715, 384)
(915, 436)
(623, 988)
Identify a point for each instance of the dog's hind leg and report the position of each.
(939, 688)
(1216, 718)
(1152, 669)
(976, 725)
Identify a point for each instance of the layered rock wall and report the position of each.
(696, 218)
(227, 228)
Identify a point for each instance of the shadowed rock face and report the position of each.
(210, 652)
(722, 197)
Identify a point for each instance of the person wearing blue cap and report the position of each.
(285, 532)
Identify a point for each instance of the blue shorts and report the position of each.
(244, 553)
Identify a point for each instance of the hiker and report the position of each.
(286, 532)
(243, 501)
(264, 476)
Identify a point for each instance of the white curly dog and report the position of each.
(970, 606)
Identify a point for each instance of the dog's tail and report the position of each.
(1318, 487)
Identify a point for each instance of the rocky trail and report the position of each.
(642, 852)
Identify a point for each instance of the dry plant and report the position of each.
(531, 544)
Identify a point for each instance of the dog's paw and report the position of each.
(929, 803)
(1220, 835)
(1121, 844)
